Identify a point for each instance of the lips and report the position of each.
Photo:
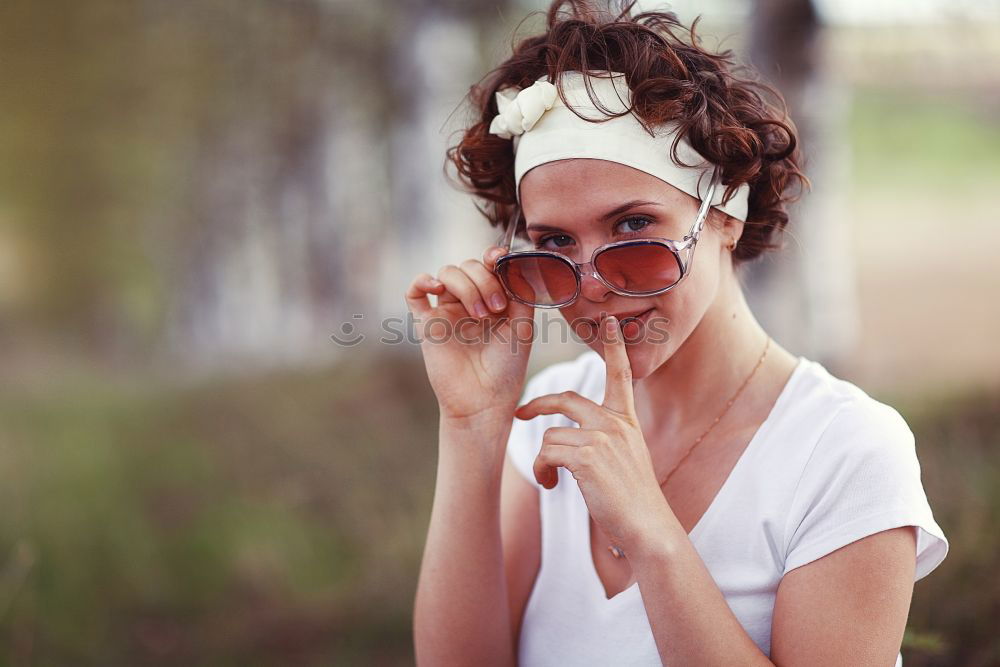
(625, 318)
(640, 317)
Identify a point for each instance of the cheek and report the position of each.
(685, 304)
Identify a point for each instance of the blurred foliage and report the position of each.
(147, 143)
(142, 140)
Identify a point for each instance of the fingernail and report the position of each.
(497, 302)
(612, 323)
(480, 309)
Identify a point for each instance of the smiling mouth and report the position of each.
(640, 317)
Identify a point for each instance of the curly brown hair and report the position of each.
(725, 117)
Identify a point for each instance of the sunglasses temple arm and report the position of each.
(706, 204)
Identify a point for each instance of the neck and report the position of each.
(688, 390)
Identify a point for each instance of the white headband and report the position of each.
(544, 129)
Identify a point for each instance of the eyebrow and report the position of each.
(605, 217)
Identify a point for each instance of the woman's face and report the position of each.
(566, 205)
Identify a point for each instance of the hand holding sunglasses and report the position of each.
(475, 342)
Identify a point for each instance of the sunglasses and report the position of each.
(637, 267)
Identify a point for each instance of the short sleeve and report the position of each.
(862, 477)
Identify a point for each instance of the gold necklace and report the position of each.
(619, 553)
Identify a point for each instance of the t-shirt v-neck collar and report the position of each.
(776, 411)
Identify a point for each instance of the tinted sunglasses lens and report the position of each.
(642, 267)
(543, 281)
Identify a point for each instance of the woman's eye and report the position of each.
(632, 225)
(556, 241)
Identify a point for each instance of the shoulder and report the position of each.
(854, 423)
(861, 476)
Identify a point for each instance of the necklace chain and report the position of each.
(617, 552)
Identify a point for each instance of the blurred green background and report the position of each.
(195, 195)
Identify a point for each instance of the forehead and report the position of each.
(556, 189)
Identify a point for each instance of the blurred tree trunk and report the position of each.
(261, 273)
(435, 55)
(805, 294)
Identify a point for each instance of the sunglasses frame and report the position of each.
(683, 252)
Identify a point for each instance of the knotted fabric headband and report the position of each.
(544, 129)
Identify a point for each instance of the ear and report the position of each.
(726, 225)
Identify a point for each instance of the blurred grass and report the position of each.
(261, 520)
(955, 610)
(280, 519)
(921, 140)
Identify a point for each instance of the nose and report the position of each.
(591, 288)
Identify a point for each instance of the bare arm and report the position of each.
(849, 607)
(462, 615)
(461, 611)
(846, 608)
(521, 527)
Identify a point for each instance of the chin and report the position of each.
(646, 357)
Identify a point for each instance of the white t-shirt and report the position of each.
(828, 466)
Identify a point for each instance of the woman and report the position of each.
(686, 491)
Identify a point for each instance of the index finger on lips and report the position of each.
(618, 385)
